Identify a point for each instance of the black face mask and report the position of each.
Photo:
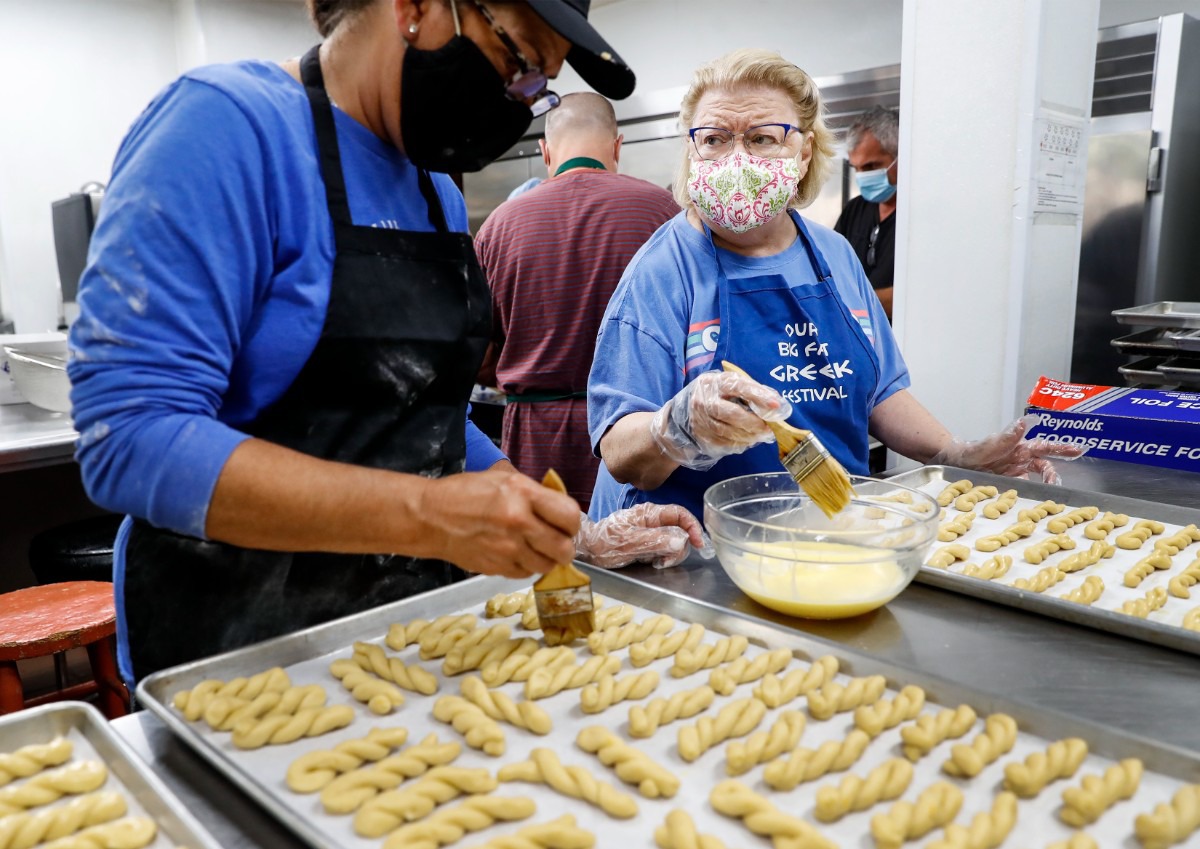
(454, 113)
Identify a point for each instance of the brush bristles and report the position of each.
(828, 486)
(563, 629)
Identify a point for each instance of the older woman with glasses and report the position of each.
(741, 276)
(281, 322)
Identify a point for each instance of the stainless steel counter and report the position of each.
(31, 436)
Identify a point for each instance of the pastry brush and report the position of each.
(563, 595)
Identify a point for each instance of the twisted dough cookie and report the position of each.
(373, 658)
(501, 707)
(884, 783)
(127, 833)
(806, 764)
(644, 721)
(1007, 536)
(448, 826)
(1078, 840)
(998, 736)
(734, 799)
(1170, 824)
(1087, 592)
(1083, 805)
(1001, 505)
(1141, 531)
(1191, 620)
(973, 496)
(888, 713)
(1147, 604)
(435, 645)
(1105, 525)
(736, 719)
(603, 694)
(350, 791)
(47, 787)
(1180, 586)
(389, 810)
(775, 692)
(632, 765)
(561, 833)
(1038, 512)
(743, 755)
(618, 637)
(1060, 760)
(23, 830)
(310, 772)
(29, 760)
(658, 646)
(994, 567)
(468, 719)
(1064, 523)
(278, 730)
(544, 683)
(952, 492)
(508, 604)
(987, 830)
(1039, 551)
(927, 731)
(518, 667)
(1178, 541)
(947, 555)
(834, 698)
(937, 805)
(476, 657)
(224, 713)
(679, 832)
(956, 527)
(401, 635)
(381, 697)
(544, 767)
(1042, 581)
(1082, 559)
(725, 679)
(192, 703)
(691, 661)
(613, 617)
(1146, 567)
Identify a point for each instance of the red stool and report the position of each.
(52, 618)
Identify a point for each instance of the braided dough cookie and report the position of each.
(774, 691)
(1191, 620)
(1078, 840)
(644, 721)
(1082, 559)
(278, 730)
(30, 760)
(468, 719)
(1066, 521)
(834, 698)
(225, 713)
(603, 694)
(518, 667)
(435, 645)
(927, 731)
(127, 833)
(998, 736)
(952, 492)
(348, 792)
(1146, 567)
(631, 765)
(956, 527)
(1043, 580)
(1105, 525)
(46, 787)
(1008, 536)
(544, 683)
(1180, 586)
(23, 830)
(544, 767)
(192, 703)
(381, 697)
(1170, 824)
(973, 496)
(1086, 593)
(996, 566)
(1060, 760)
(405, 804)
(762, 746)
(987, 830)
(508, 604)
(402, 635)
(373, 658)
(658, 646)
(1001, 505)
(314, 770)
(612, 617)
(884, 783)
(725, 679)
(937, 805)
(1141, 531)
(1038, 512)
(501, 707)
(807, 764)
(679, 832)
(736, 719)
(734, 799)
(691, 661)
(561, 833)
(888, 713)
(947, 555)
(1147, 604)
(1178, 541)
(1083, 805)
(1039, 551)
(452, 824)
(618, 637)
(460, 660)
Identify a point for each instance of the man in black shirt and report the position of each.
(868, 221)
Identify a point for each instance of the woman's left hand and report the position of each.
(660, 534)
(1009, 453)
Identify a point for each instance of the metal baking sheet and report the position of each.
(1146, 372)
(1162, 627)
(306, 656)
(1161, 314)
(93, 739)
(1189, 341)
(1186, 370)
(1156, 341)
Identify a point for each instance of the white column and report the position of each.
(985, 290)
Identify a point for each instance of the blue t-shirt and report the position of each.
(661, 328)
(208, 280)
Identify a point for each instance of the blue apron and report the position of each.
(766, 326)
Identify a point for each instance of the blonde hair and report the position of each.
(762, 68)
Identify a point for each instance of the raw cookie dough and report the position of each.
(775, 692)
(803, 764)
(1001, 505)
(998, 736)
(1043, 580)
(518, 667)
(1105, 525)
(835, 698)
(1170, 824)
(1141, 531)
(937, 805)
(1180, 586)
(1066, 521)
(561, 833)
(1086, 593)
(46, 787)
(1178, 541)
(447, 826)
(608, 691)
(920, 737)
(192, 703)
(679, 832)
(381, 697)
(1009, 535)
(544, 767)
(952, 492)
(948, 554)
(618, 637)
(507, 604)
(1038, 512)
(1084, 805)
(888, 713)
(1147, 604)
(992, 568)
(631, 765)
(644, 721)
(501, 707)
(281, 729)
(312, 771)
(373, 658)
(401, 635)
(468, 719)
(30, 760)
(657, 646)
(348, 792)
(30, 828)
(1060, 760)
(736, 719)
(1039, 551)
(417, 800)
(734, 799)
(743, 755)
(1146, 567)
(1082, 559)
(955, 528)
(988, 829)
(127, 833)
(544, 683)
(726, 679)
(705, 656)
(973, 496)
(884, 783)
(476, 657)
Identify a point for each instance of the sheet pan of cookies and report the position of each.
(1123, 565)
(443, 720)
(67, 781)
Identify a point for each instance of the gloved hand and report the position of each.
(1008, 453)
(717, 414)
(661, 534)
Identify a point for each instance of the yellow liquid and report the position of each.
(790, 577)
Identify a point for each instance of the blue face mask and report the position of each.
(874, 185)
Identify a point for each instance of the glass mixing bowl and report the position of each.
(782, 551)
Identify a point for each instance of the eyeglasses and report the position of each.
(871, 246)
(765, 140)
(529, 85)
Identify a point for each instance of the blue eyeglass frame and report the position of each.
(787, 129)
(529, 85)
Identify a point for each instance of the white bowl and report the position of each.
(39, 370)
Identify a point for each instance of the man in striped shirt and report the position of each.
(553, 257)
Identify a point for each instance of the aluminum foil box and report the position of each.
(1153, 427)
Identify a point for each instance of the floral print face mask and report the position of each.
(741, 192)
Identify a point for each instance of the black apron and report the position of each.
(386, 387)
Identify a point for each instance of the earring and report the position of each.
(412, 29)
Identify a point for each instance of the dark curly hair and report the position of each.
(327, 14)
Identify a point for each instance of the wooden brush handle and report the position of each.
(563, 575)
(786, 435)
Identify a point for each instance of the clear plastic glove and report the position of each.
(717, 414)
(1009, 453)
(661, 534)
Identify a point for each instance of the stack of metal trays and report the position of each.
(1169, 352)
